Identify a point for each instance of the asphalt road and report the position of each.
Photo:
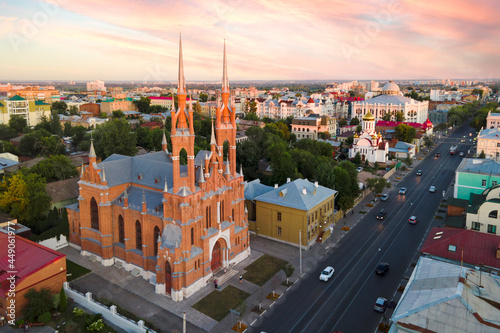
(345, 303)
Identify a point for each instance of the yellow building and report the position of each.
(31, 110)
(281, 212)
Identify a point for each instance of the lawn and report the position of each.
(263, 269)
(218, 303)
(75, 270)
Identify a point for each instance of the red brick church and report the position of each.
(173, 224)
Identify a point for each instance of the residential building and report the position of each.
(108, 106)
(445, 95)
(208, 109)
(392, 101)
(7, 160)
(474, 176)
(36, 267)
(493, 120)
(175, 225)
(96, 85)
(463, 247)
(93, 108)
(63, 193)
(298, 207)
(488, 142)
(443, 297)
(401, 149)
(165, 102)
(310, 127)
(45, 94)
(482, 211)
(425, 128)
(369, 144)
(31, 110)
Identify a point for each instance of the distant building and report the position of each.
(45, 94)
(475, 176)
(92, 108)
(369, 144)
(31, 110)
(165, 102)
(96, 85)
(108, 106)
(310, 127)
(443, 297)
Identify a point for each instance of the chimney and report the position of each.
(315, 184)
(304, 191)
(288, 180)
(275, 185)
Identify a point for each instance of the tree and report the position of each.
(7, 147)
(39, 303)
(482, 154)
(428, 141)
(59, 107)
(342, 122)
(325, 175)
(23, 196)
(105, 139)
(6, 132)
(197, 107)
(478, 92)
(41, 142)
(250, 107)
(405, 133)
(63, 301)
(399, 116)
(73, 110)
(103, 115)
(357, 159)
(54, 168)
(55, 124)
(142, 105)
(377, 185)
(358, 129)
(251, 116)
(298, 95)
(203, 97)
(354, 121)
(118, 114)
(17, 123)
(387, 116)
(67, 129)
(78, 134)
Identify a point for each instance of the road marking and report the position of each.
(253, 322)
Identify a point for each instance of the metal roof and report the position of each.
(255, 188)
(388, 99)
(476, 165)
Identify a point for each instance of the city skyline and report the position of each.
(320, 40)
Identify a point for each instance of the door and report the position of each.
(216, 256)
(168, 278)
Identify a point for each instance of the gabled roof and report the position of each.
(41, 103)
(255, 188)
(478, 247)
(490, 133)
(476, 165)
(63, 189)
(291, 195)
(16, 98)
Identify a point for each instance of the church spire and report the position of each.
(181, 89)
(92, 150)
(225, 81)
(212, 139)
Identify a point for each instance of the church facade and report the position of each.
(369, 144)
(173, 224)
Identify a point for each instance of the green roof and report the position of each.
(41, 103)
(16, 98)
(1, 105)
(457, 202)
(455, 221)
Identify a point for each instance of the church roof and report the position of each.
(369, 116)
(154, 204)
(388, 99)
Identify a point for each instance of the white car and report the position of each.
(359, 169)
(384, 197)
(432, 189)
(402, 190)
(326, 274)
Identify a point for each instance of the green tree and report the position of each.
(6, 132)
(298, 95)
(103, 115)
(387, 116)
(63, 301)
(399, 116)
(478, 92)
(105, 139)
(143, 104)
(197, 107)
(39, 302)
(203, 97)
(354, 121)
(7, 147)
(251, 116)
(118, 114)
(78, 134)
(428, 141)
(482, 154)
(342, 122)
(377, 185)
(405, 133)
(41, 142)
(325, 175)
(357, 159)
(73, 110)
(59, 107)
(54, 168)
(55, 124)
(17, 123)
(352, 93)
(23, 196)
(67, 129)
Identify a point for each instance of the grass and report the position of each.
(217, 304)
(263, 269)
(75, 270)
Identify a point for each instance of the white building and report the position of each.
(438, 95)
(96, 85)
(392, 101)
(369, 144)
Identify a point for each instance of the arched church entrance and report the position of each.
(168, 277)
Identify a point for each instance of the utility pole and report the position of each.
(184, 322)
(300, 250)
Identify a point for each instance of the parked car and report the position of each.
(327, 274)
(381, 214)
(419, 173)
(380, 305)
(382, 268)
(384, 197)
(359, 169)
(402, 190)
(432, 189)
(413, 219)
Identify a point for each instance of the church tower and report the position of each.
(225, 121)
(182, 135)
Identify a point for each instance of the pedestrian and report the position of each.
(215, 283)
(241, 278)
(353, 212)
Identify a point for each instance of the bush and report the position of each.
(20, 322)
(44, 317)
(70, 327)
(77, 312)
(63, 301)
(289, 269)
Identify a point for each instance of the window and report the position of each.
(138, 235)
(498, 144)
(308, 220)
(316, 215)
(279, 216)
(155, 239)
(493, 214)
(452, 248)
(222, 210)
(278, 231)
(94, 214)
(206, 218)
(192, 236)
(121, 230)
(483, 182)
(494, 183)
(492, 229)
(476, 226)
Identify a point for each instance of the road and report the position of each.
(345, 303)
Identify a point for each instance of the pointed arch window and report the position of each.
(121, 230)
(192, 236)
(94, 214)
(138, 235)
(155, 239)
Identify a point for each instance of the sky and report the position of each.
(137, 40)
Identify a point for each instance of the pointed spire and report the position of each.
(190, 104)
(103, 175)
(164, 139)
(83, 169)
(202, 176)
(92, 150)
(212, 139)
(165, 188)
(125, 194)
(225, 81)
(181, 86)
(241, 170)
(228, 172)
(143, 197)
(184, 192)
(159, 239)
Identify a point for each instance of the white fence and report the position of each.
(109, 314)
(54, 244)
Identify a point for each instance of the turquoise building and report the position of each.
(475, 175)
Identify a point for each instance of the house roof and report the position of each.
(255, 188)
(5, 163)
(63, 190)
(389, 99)
(16, 98)
(41, 103)
(490, 133)
(443, 297)
(291, 195)
(478, 247)
(477, 165)
(30, 258)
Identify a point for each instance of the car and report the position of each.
(413, 219)
(359, 169)
(384, 197)
(380, 305)
(402, 190)
(382, 268)
(432, 189)
(381, 214)
(437, 154)
(461, 154)
(419, 173)
(327, 274)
